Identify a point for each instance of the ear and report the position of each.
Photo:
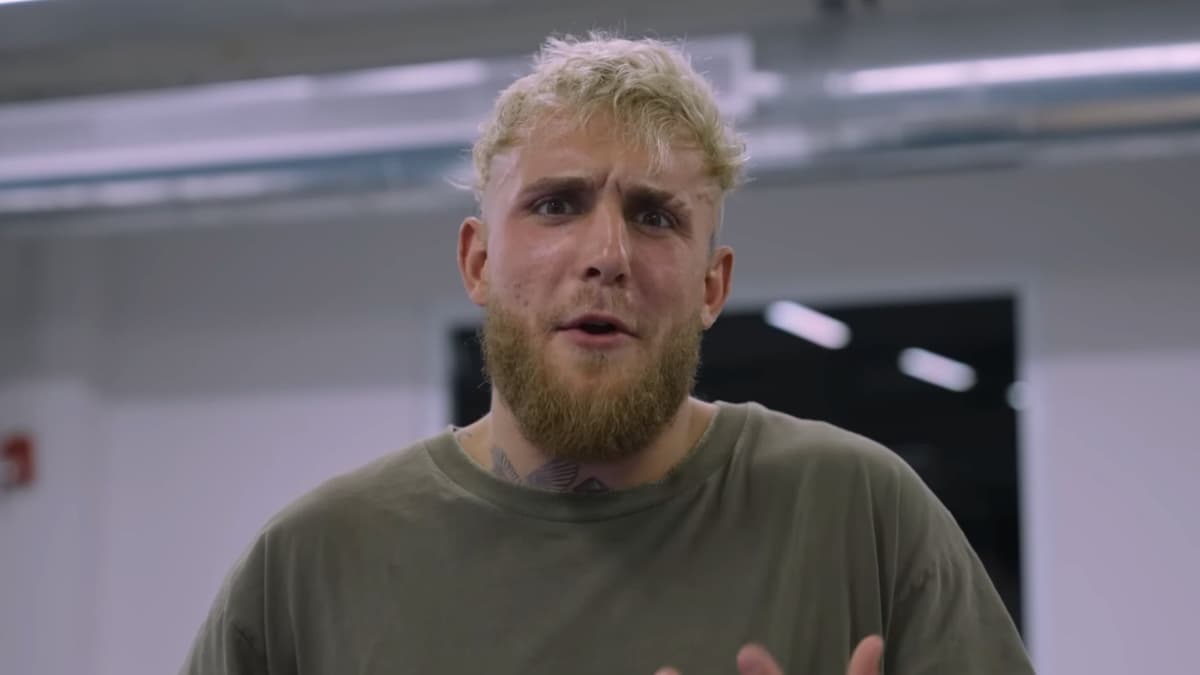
(717, 282)
(472, 259)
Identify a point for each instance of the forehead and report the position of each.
(601, 152)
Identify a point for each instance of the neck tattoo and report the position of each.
(557, 475)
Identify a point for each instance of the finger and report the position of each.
(866, 657)
(756, 660)
(666, 671)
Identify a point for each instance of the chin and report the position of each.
(584, 373)
(591, 374)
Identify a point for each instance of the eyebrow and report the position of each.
(644, 194)
(637, 193)
(551, 184)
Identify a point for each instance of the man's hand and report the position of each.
(756, 660)
(867, 657)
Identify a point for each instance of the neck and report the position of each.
(496, 443)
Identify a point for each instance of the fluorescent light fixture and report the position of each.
(124, 193)
(412, 79)
(936, 369)
(766, 84)
(1171, 58)
(1018, 395)
(13, 2)
(781, 144)
(184, 154)
(809, 324)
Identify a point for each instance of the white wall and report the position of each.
(50, 536)
(228, 370)
(1114, 463)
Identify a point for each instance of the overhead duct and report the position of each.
(845, 98)
(884, 97)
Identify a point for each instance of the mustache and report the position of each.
(588, 300)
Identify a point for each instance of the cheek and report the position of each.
(512, 291)
(532, 268)
(673, 286)
(524, 284)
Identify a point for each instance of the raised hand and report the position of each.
(866, 657)
(756, 660)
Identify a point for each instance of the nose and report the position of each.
(606, 246)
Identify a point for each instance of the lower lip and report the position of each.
(583, 338)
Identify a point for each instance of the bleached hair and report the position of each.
(647, 86)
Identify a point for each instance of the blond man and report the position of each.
(600, 519)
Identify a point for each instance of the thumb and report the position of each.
(756, 660)
(866, 657)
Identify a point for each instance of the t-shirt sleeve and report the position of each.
(224, 648)
(947, 618)
(230, 641)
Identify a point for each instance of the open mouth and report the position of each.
(598, 324)
(597, 328)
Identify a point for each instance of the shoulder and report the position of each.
(820, 467)
(778, 444)
(385, 489)
(313, 537)
(338, 518)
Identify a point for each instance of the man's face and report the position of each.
(597, 276)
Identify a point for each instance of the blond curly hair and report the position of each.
(647, 86)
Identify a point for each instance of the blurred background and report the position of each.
(227, 273)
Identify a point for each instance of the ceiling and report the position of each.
(99, 130)
(55, 48)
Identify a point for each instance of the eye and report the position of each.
(656, 219)
(554, 206)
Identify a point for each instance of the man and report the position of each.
(600, 520)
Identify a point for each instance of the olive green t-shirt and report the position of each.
(790, 533)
